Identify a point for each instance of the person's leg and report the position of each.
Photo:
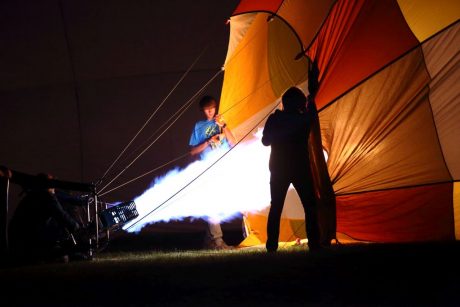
(304, 187)
(278, 189)
(213, 238)
(213, 231)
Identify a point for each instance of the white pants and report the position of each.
(213, 231)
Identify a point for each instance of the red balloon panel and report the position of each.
(358, 39)
(246, 6)
(402, 215)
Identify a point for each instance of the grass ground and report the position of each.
(352, 275)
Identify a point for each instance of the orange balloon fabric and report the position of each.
(387, 100)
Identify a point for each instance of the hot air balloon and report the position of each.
(388, 101)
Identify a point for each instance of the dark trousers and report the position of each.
(279, 184)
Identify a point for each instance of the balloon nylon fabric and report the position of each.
(388, 104)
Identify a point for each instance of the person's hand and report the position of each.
(215, 138)
(220, 120)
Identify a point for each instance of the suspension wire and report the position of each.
(260, 86)
(178, 111)
(188, 103)
(244, 98)
(208, 168)
(185, 107)
(126, 147)
(156, 110)
(245, 136)
(146, 173)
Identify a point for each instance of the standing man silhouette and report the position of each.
(287, 133)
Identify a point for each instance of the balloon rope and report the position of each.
(145, 174)
(155, 111)
(148, 120)
(188, 104)
(208, 168)
(150, 137)
(156, 131)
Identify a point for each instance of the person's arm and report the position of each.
(195, 150)
(66, 198)
(61, 215)
(267, 133)
(229, 135)
(226, 131)
(196, 147)
(311, 107)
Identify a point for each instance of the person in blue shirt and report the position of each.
(207, 135)
(212, 132)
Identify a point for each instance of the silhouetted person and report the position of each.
(41, 229)
(287, 133)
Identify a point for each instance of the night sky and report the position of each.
(79, 78)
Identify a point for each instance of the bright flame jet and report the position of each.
(239, 182)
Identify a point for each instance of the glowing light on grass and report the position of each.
(239, 182)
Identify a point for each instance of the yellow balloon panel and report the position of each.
(283, 47)
(426, 17)
(457, 209)
(290, 229)
(247, 86)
